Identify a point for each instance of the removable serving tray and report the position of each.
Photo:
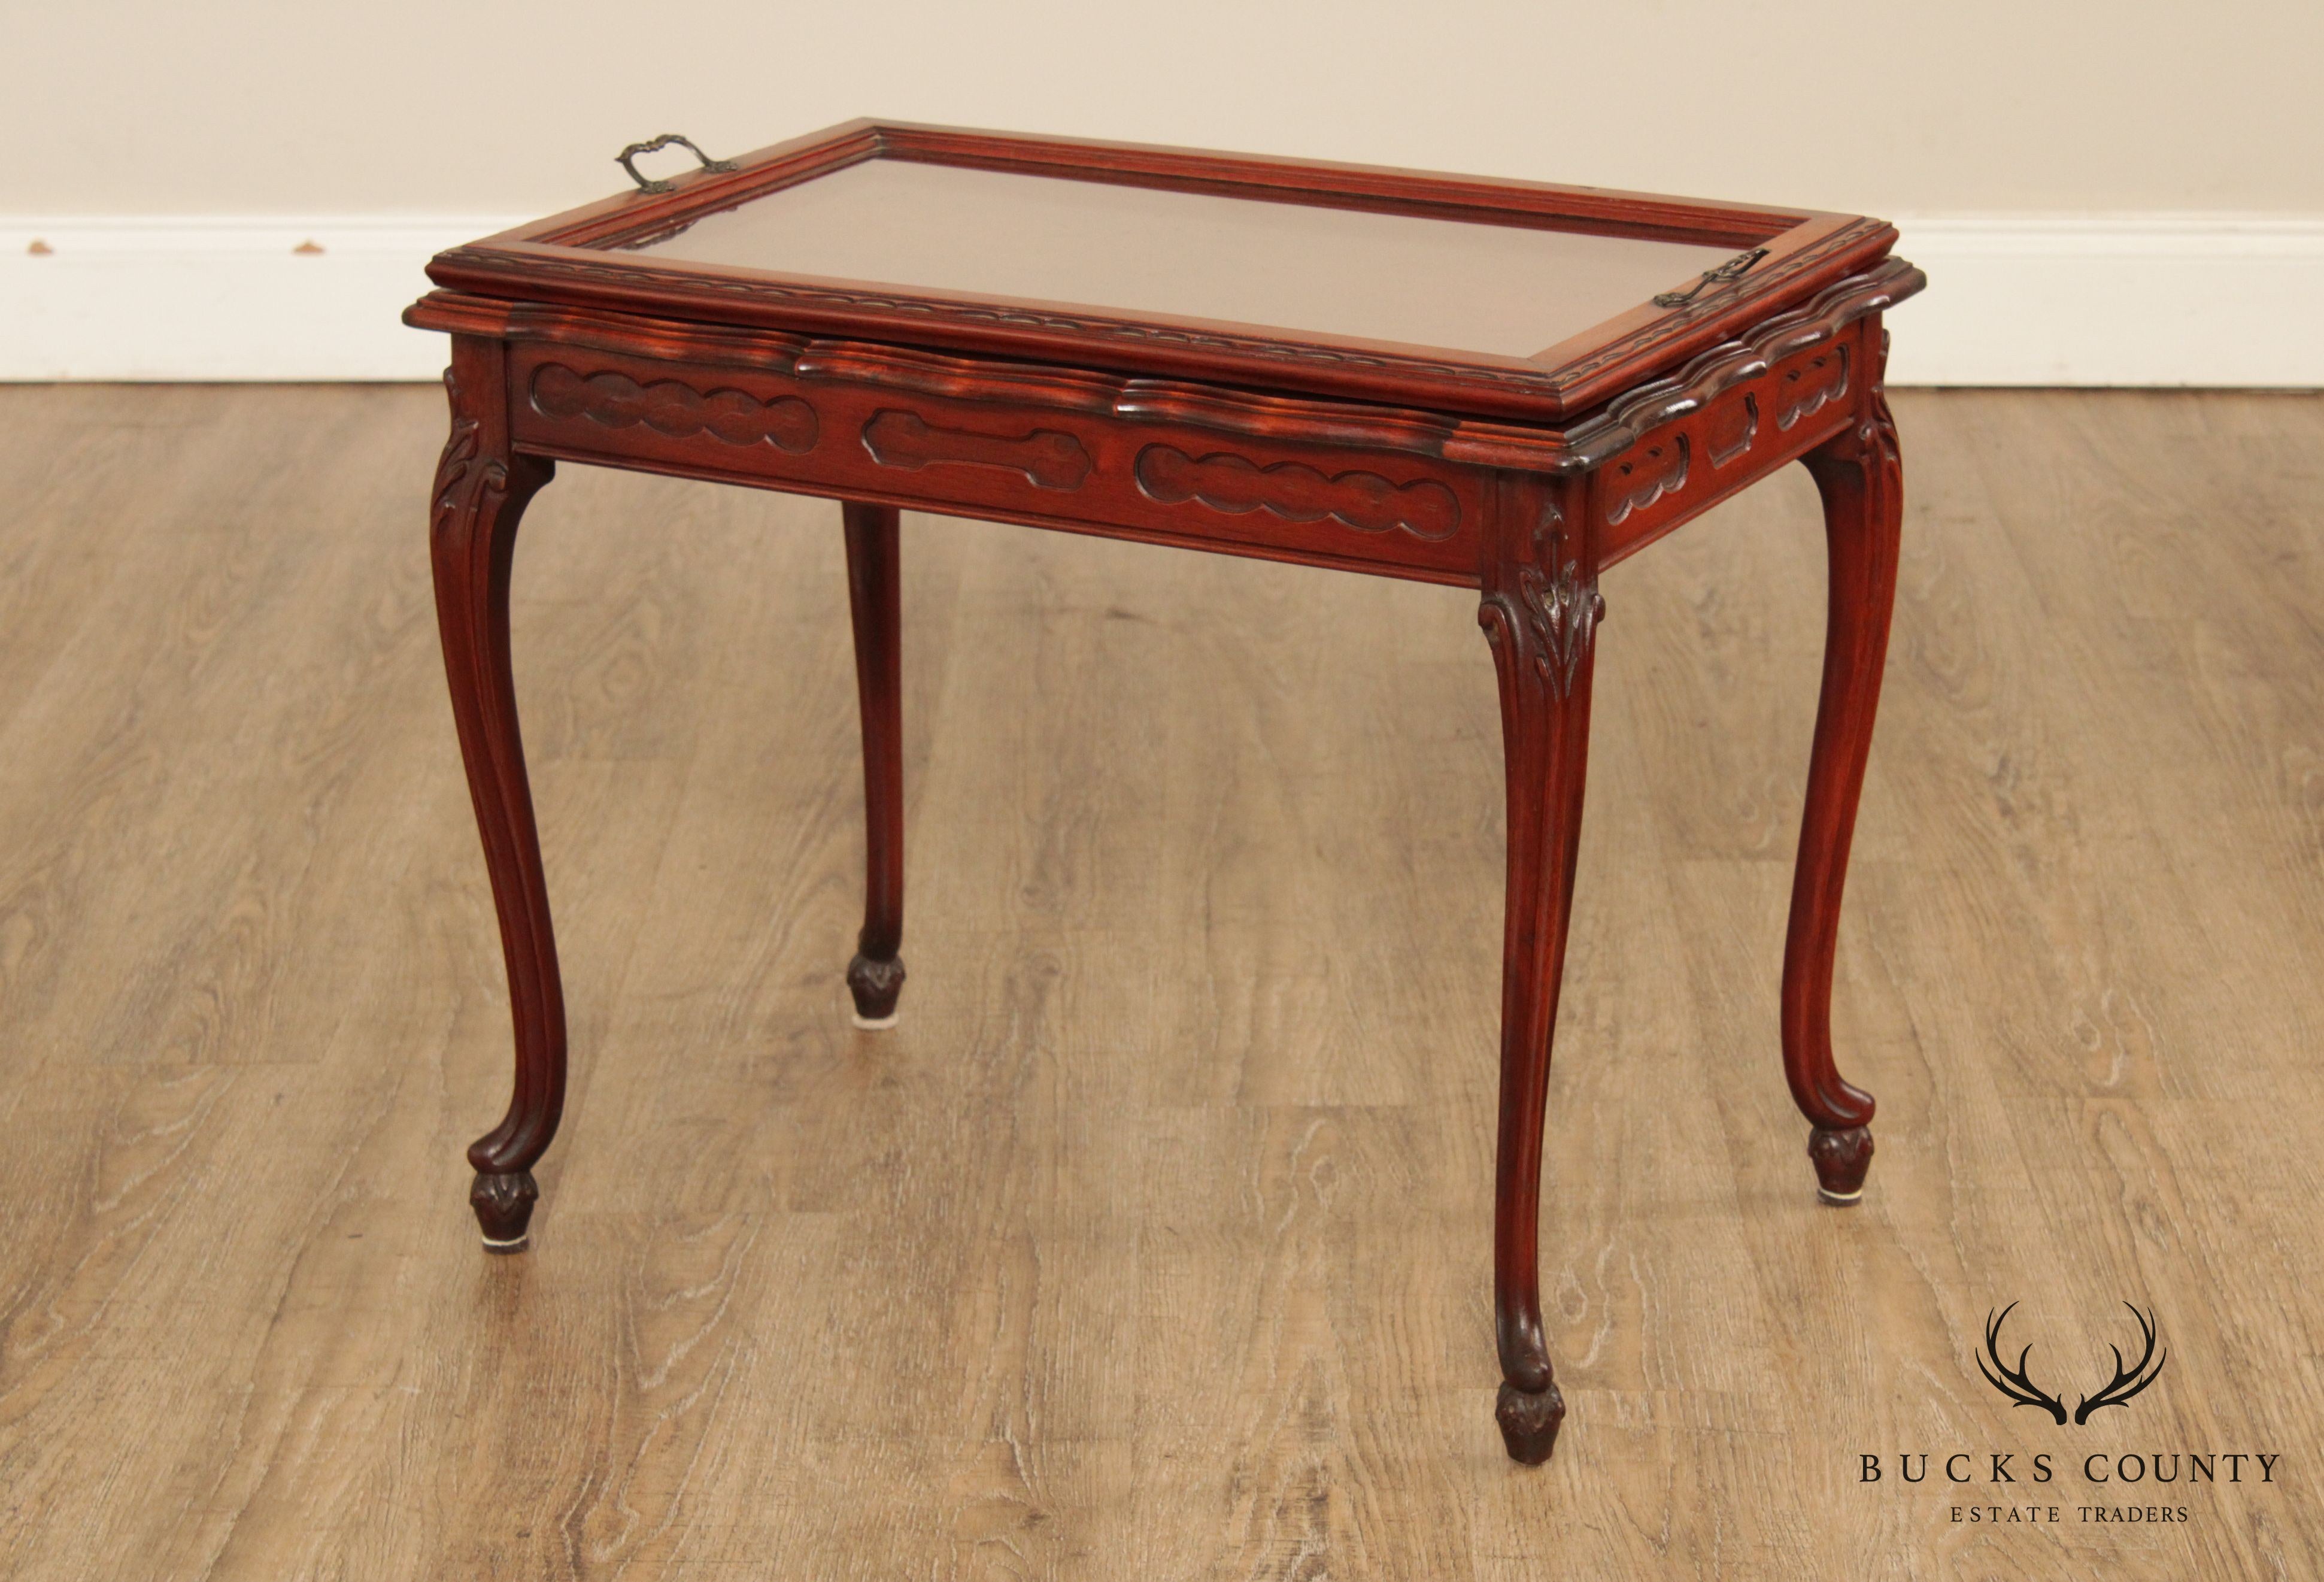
(1465, 295)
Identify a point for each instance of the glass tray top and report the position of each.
(1477, 296)
(1511, 289)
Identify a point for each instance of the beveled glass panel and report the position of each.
(1455, 285)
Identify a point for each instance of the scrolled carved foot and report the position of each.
(1529, 1422)
(1841, 1158)
(875, 985)
(503, 1206)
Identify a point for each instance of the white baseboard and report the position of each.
(2148, 300)
(2211, 299)
(165, 297)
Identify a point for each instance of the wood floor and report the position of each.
(1154, 1243)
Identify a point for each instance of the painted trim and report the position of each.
(2202, 300)
(220, 298)
(2018, 299)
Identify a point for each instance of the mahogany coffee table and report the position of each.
(1491, 384)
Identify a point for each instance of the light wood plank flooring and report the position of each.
(1154, 1243)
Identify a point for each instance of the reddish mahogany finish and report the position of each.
(482, 487)
(1540, 613)
(876, 976)
(575, 259)
(1520, 477)
(1860, 475)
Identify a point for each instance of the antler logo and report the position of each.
(2022, 1391)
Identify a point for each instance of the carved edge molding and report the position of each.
(1048, 458)
(1284, 417)
(1478, 441)
(1292, 419)
(479, 263)
(1783, 269)
(1807, 390)
(1645, 476)
(673, 408)
(1629, 418)
(957, 378)
(1296, 491)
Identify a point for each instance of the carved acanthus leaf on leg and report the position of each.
(481, 488)
(1554, 617)
(1540, 612)
(457, 494)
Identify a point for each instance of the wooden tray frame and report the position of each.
(578, 258)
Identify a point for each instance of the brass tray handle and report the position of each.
(627, 159)
(1733, 269)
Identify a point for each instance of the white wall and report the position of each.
(2139, 186)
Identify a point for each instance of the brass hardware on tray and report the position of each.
(626, 158)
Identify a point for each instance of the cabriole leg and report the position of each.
(1540, 613)
(482, 488)
(1860, 476)
(876, 976)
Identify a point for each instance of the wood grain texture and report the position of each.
(480, 494)
(1152, 1243)
(875, 974)
(1541, 620)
